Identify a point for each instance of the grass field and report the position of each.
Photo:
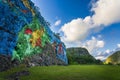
(72, 72)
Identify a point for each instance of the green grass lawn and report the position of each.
(72, 72)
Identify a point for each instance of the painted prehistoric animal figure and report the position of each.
(60, 49)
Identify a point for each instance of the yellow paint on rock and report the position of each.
(35, 36)
(26, 3)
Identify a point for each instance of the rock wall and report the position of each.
(48, 57)
(25, 33)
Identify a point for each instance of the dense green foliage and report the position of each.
(83, 59)
(80, 56)
(114, 58)
(73, 72)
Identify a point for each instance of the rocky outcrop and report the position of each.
(26, 35)
(114, 58)
(79, 56)
(46, 58)
(6, 62)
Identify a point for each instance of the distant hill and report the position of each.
(114, 58)
(80, 56)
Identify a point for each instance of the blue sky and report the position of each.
(92, 24)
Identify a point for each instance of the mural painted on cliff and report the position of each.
(24, 32)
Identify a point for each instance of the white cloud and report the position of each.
(107, 51)
(73, 44)
(100, 44)
(118, 45)
(91, 45)
(58, 22)
(106, 12)
(75, 30)
(54, 27)
(94, 44)
(101, 57)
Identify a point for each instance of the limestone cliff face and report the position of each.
(25, 33)
(46, 58)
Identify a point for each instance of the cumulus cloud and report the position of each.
(75, 30)
(58, 22)
(101, 57)
(91, 45)
(118, 45)
(107, 51)
(94, 44)
(73, 44)
(106, 12)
